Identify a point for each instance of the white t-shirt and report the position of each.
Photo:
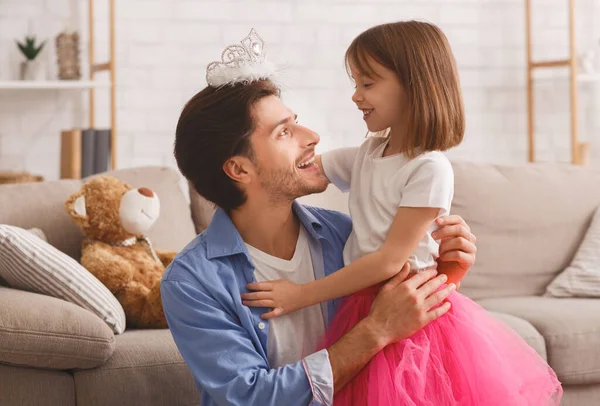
(295, 335)
(380, 185)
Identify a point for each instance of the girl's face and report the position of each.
(380, 96)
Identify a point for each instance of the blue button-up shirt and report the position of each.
(223, 342)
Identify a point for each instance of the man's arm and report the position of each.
(226, 364)
(401, 308)
(221, 355)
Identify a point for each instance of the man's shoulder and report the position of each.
(334, 221)
(187, 264)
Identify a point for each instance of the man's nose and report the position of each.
(310, 138)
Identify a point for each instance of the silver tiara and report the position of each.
(243, 63)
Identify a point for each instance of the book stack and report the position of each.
(84, 152)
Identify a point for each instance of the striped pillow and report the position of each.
(582, 276)
(29, 263)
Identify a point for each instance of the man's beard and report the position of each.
(285, 186)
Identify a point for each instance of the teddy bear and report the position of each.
(114, 218)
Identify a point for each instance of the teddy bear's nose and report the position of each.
(145, 192)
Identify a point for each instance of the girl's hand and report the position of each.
(457, 247)
(281, 295)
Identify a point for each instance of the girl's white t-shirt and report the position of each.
(379, 185)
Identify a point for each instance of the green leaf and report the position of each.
(29, 49)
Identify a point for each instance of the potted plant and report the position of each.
(29, 69)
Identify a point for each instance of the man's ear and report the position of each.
(75, 206)
(239, 168)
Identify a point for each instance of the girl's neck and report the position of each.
(394, 146)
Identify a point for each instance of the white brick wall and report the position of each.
(163, 47)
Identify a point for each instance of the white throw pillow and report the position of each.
(29, 263)
(582, 277)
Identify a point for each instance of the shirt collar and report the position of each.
(223, 239)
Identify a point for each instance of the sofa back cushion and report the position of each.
(529, 221)
(41, 205)
(202, 210)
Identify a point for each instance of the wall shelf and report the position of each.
(90, 84)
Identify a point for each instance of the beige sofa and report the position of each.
(529, 221)
(53, 353)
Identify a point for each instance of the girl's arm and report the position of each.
(337, 165)
(408, 228)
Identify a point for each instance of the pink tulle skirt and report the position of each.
(463, 358)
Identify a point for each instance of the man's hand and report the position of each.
(404, 306)
(281, 296)
(457, 247)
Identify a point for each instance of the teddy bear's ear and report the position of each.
(79, 206)
(75, 206)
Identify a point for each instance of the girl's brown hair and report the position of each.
(420, 55)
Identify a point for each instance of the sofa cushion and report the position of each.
(529, 221)
(142, 359)
(581, 395)
(39, 233)
(174, 228)
(35, 387)
(525, 330)
(42, 205)
(29, 263)
(44, 332)
(172, 231)
(202, 210)
(582, 276)
(570, 327)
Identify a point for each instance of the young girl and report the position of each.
(407, 88)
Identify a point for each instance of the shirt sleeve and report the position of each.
(337, 165)
(224, 361)
(430, 184)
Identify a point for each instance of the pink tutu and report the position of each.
(464, 358)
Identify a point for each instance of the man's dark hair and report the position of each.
(214, 126)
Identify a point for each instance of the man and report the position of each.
(244, 150)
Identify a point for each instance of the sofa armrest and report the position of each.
(45, 332)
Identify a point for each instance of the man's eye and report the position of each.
(284, 132)
(368, 85)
